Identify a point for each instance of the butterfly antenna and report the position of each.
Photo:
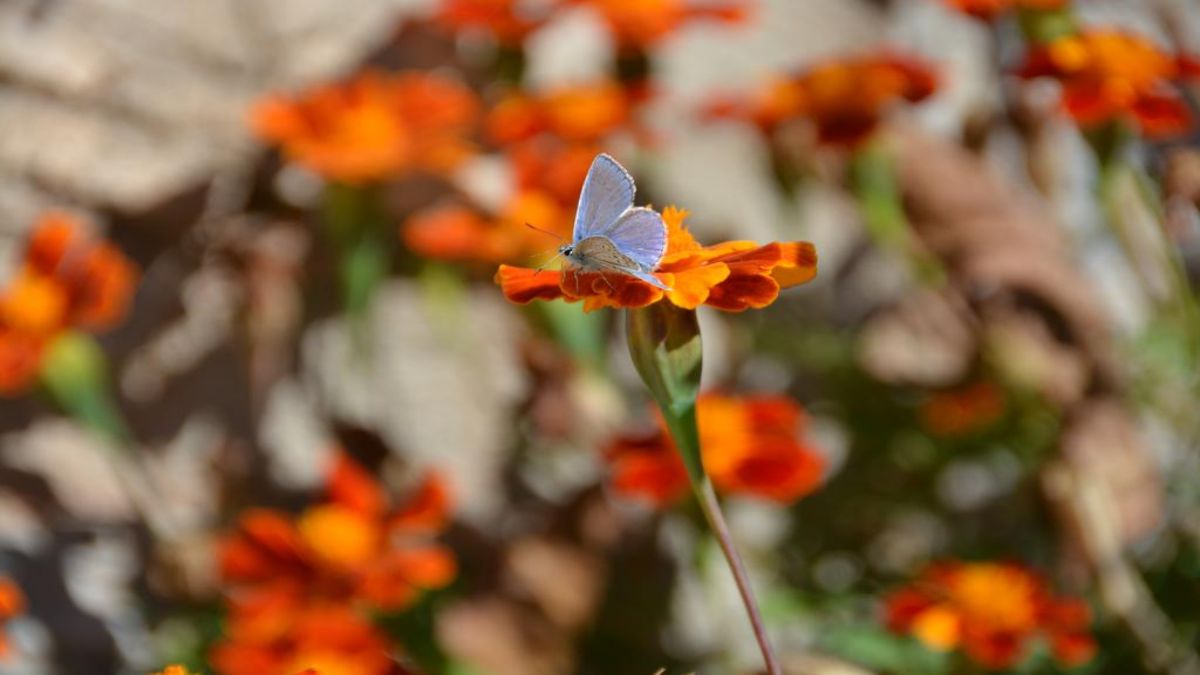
(546, 264)
(552, 234)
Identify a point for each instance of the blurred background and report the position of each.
(267, 408)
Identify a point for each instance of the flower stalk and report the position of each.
(665, 345)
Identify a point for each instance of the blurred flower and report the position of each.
(750, 445)
(332, 639)
(12, 603)
(845, 99)
(372, 127)
(733, 275)
(173, 670)
(580, 113)
(990, 9)
(1109, 75)
(638, 24)
(458, 233)
(509, 21)
(66, 280)
(963, 411)
(352, 550)
(992, 611)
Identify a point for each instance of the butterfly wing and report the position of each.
(641, 235)
(607, 192)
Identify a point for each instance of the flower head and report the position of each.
(509, 21)
(750, 445)
(990, 9)
(963, 411)
(67, 280)
(12, 603)
(1109, 75)
(843, 99)
(733, 276)
(992, 611)
(575, 114)
(638, 24)
(291, 580)
(372, 127)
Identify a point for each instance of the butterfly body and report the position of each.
(611, 235)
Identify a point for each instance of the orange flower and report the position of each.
(287, 576)
(638, 24)
(733, 276)
(963, 411)
(12, 603)
(351, 547)
(992, 611)
(510, 21)
(457, 233)
(173, 670)
(750, 445)
(67, 280)
(374, 126)
(990, 9)
(844, 99)
(1109, 75)
(577, 114)
(329, 639)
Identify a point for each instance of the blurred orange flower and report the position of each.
(577, 114)
(372, 127)
(509, 21)
(844, 99)
(990, 9)
(733, 275)
(1109, 75)
(962, 411)
(331, 639)
(750, 445)
(355, 549)
(458, 233)
(12, 603)
(992, 611)
(173, 670)
(641, 23)
(67, 279)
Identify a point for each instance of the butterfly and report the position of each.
(611, 234)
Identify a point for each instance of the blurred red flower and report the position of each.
(733, 275)
(12, 603)
(509, 21)
(963, 411)
(990, 9)
(844, 99)
(353, 550)
(992, 611)
(67, 279)
(750, 445)
(1109, 75)
(372, 127)
(639, 24)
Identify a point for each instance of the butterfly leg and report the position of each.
(605, 278)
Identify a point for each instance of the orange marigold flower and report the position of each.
(12, 603)
(641, 23)
(372, 127)
(844, 99)
(509, 21)
(355, 546)
(458, 233)
(963, 411)
(992, 611)
(1109, 75)
(750, 445)
(579, 114)
(67, 280)
(733, 276)
(990, 9)
(323, 638)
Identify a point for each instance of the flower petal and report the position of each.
(522, 285)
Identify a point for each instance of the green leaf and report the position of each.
(664, 342)
(880, 650)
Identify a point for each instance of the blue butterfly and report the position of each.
(610, 233)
